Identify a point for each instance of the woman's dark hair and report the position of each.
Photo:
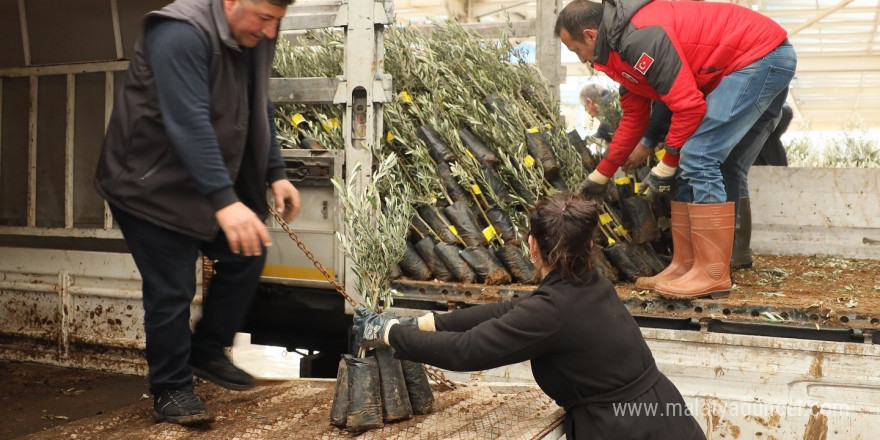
(563, 225)
(577, 16)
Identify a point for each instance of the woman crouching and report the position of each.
(585, 348)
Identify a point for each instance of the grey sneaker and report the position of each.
(180, 406)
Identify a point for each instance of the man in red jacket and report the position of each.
(719, 67)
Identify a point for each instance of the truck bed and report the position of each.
(300, 409)
(815, 292)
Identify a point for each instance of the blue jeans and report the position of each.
(740, 114)
(167, 263)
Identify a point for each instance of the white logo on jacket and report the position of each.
(644, 63)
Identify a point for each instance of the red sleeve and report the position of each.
(688, 108)
(636, 114)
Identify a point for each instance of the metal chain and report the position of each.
(432, 372)
(438, 376)
(309, 255)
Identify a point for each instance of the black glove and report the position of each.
(408, 320)
(592, 190)
(657, 184)
(370, 327)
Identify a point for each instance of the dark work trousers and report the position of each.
(167, 263)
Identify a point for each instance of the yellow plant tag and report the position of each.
(489, 233)
(622, 181)
(611, 241)
(636, 187)
(529, 161)
(533, 130)
(605, 218)
(330, 124)
(404, 96)
(660, 153)
(549, 126)
(390, 137)
(297, 119)
(620, 229)
(454, 231)
(476, 189)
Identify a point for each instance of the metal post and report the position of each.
(25, 38)
(108, 109)
(70, 119)
(32, 152)
(362, 124)
(547, 46)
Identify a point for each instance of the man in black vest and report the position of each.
(189, 153)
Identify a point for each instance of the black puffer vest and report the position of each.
(138, 170)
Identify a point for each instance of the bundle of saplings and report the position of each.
(373, 387)
(478, 136)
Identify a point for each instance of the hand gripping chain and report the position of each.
(435, 374)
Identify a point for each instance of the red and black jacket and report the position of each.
(677, 53)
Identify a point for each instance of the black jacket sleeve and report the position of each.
(466, 319)
(179, 57)
(527, 330)
(658, 126)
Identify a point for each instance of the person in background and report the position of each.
(773, 152)
(189, 153)
(585, 348)
(592, 96)
(720, 68)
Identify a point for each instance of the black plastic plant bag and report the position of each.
(421, 397)
(364, 397)
(437, 148)
(339, 409)
(464, 221)
(413, 266)
(455, 191)
(638, 219)
(522, 191)
(436, 220)
(537, 146)
(647, 254)
(619, 255)
(496, 183)
(558, 183)
(483, 154)
(395, 400)
(425, 248)
(519, 266)
(449, 255)
(488, 268)
(503, 227)
(605, 267)
(587, 158)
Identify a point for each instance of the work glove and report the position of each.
(658, 181)
(593, 187)
(370, 328)
(408, 320)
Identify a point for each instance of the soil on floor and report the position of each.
(824, 291)
(297, 409)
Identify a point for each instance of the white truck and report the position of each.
(70, 294)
